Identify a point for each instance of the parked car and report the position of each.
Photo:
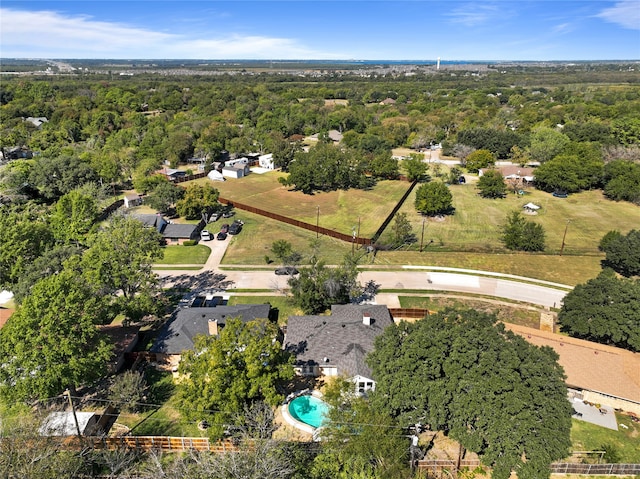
(289, 270)
(222, 236)
(228, 214)
(224, 228)
(235, 228)
(205, 235)
(214, 217)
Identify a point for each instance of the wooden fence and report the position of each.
(386, 222)
(149, 443)
(300, 224)
(409, 313)
(438, 465)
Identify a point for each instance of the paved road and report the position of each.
(210, 277)
(410, 280)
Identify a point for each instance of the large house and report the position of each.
(179, 332)
(337, 344)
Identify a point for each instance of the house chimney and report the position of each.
(366, 319)
(213, 327)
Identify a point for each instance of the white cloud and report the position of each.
(625, 13)
(563, 28)
(53, 35)
(472, 14)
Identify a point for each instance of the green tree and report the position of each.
(479, 159)
(433, 199)
(383, 165)
(623, 253)
(198, 199)
(245, 363)
(119, 259)
(622, 181)
(491, 185)
(326, 167)
(415, 167)
(127, 392)
(605, 309)
(51, 342)
(522, 235)
(359, 440)
(317, 287)
(56, 176)
(402, 230)
(51, 261)
(546, 144)
(569, 173)
(74, 216)
(462, 372)
(24, 236)
(283, 250)
(164, 196)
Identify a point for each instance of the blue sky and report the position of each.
(348, 29)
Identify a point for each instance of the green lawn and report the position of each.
(281, 303)
(589, 437)
(179, 254)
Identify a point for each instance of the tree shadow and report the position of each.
(207, 280)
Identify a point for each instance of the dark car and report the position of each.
(222, 236)
(290, 270)
(224, 228)
(235, 228)
(228, 214)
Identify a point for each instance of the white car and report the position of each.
(205, 235)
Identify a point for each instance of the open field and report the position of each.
(258, 233)
(475, 226)
(339, 210)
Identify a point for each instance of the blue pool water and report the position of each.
(309, 410)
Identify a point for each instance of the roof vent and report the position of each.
(366, 319)
(325, 359)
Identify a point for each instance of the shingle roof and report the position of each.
(173, 230)
(342, 338)
(152, 221)
(177, 334)
(591, 366)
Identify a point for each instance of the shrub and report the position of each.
(190, 243)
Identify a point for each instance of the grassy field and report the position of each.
(475, 226)
(467, 239)
(589, 437)
(258, 233)
(339, 210)
(180, 254)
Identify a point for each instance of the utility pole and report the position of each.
(564, 236)
(317, 222)
(422, 235)
(75, 417)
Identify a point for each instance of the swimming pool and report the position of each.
(309, 410)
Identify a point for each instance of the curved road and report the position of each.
(210, 276)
